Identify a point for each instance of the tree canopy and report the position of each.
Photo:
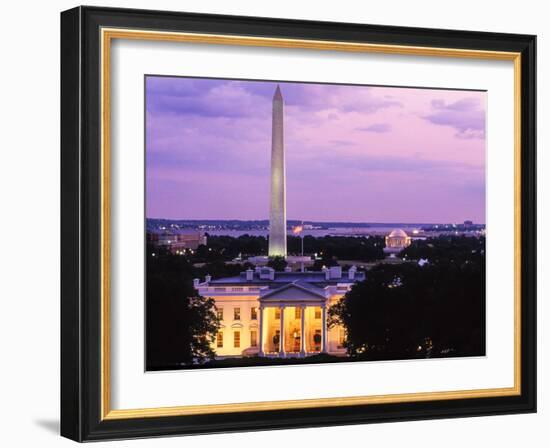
(407, 311)
(181, 325)
(278, 263)
(450, 249)
(363, 248)
(227, 248)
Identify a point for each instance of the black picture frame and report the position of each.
(81, 224)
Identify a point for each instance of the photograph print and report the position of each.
(296, 223)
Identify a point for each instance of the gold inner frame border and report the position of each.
(107, 35)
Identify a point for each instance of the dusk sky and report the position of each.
(353, 153)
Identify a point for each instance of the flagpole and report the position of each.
(298, 230)
(302, 232)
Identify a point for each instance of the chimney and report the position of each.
(249, 275)
(196, 283)
(336, 272)
(267, 273)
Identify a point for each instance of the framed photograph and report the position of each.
(275, 224)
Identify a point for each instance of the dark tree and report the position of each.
(181, 325)
(450, 249)
(278, 263)
(408, 311)
(325, 262)
(363, 248)
(219, 269)
(227, 247)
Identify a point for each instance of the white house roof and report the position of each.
(284, 278)
(295, 291)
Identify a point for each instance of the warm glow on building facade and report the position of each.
(279, 314)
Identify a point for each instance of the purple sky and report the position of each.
(353, 153)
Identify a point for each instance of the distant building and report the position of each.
(396, 241)
(278, 314)
(180, 241)
(258, 260)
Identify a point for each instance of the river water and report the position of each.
(339, 231)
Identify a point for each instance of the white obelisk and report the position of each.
(277, 217)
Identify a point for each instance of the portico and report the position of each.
(278, 314)
(293, 321)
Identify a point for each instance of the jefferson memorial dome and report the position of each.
(397, 240)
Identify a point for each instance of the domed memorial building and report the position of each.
(396, 241)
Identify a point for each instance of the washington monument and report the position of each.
(277, 216)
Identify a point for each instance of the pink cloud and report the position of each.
(392, 154)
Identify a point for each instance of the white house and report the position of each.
(278, 314)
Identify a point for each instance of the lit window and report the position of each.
(253, 338)
(219, 313)
(236, 314)
(297, 313)
(219, 339)
(237, 339)
(317, 313)
(253, 313)
(277, 313)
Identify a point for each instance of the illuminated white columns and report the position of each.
(324, 330)
(303, 331)
(261, 350)
(282, 333)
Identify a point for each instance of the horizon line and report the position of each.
(318, 221)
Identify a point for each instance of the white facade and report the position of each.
(279, 314)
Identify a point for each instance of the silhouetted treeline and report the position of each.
(362, 248)
(340, 247)
(409, 311)
(445, 248)
(180, 324)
